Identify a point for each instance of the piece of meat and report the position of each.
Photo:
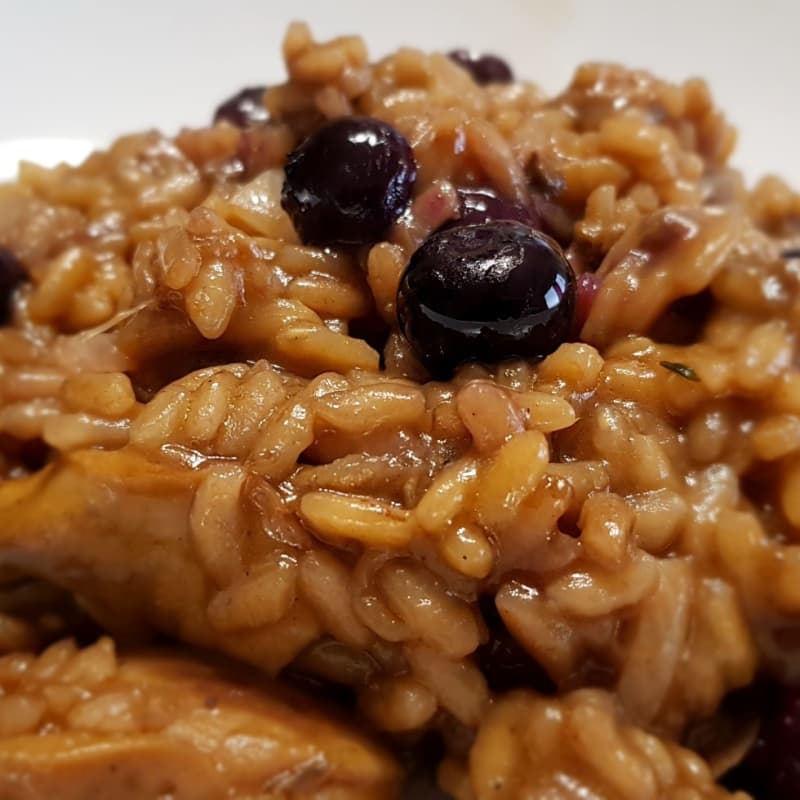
(149, 546)
(85, 725)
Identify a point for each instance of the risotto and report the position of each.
(406, 430)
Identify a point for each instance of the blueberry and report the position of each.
(771, 769)
(484, 67)
(503, 662)
(12, 274)
(485, 293)
(348, 182)
(244, 109)
(486, 205)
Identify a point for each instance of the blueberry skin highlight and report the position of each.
(486, 292)
(12, 275)
(244, 109)
(348, 182)
(478, 205)
(485, 68)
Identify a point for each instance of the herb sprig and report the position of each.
(680, 369)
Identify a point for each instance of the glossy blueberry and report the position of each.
(486, 205)
(484, 67)
(244, 109)
(771, 771)
(12, 274)
(485, 293)
(348, 182)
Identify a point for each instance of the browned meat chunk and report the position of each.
(82, 725)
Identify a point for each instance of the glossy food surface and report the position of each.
(562, 559)
(79, 724)
(12, 274)
(348, 182)
(478, 205)
(486, 293)
(243, 109)
(485, 68)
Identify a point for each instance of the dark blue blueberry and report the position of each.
(244, 109)
(12, 274)
(503, 661)
(486, 293)
(484, 67)
(486, 205)
(348, 182)
(482, 204)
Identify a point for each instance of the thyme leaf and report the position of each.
(681, 369)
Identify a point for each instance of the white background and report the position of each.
(93, 69)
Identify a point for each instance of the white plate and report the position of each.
(88, 70)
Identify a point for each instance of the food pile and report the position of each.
(403, 428)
